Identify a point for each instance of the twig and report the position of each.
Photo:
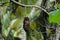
(24, 5)
(30, 6)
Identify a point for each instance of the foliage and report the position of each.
(12, 23)
(54, 16)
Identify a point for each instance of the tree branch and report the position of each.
(23, 5)
(29, 6)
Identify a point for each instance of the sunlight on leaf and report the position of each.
(54, 16)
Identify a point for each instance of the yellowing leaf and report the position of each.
(32, 26)
(15, 23)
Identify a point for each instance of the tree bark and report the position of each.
(43, 19)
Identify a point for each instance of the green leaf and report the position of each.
(58, 5)
(54, 16)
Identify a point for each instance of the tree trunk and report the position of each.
(43, 19)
